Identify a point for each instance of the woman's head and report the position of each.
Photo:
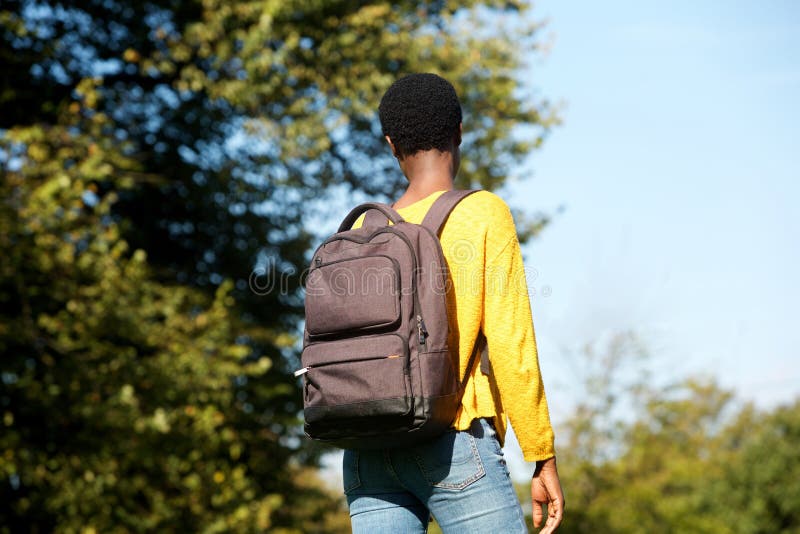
(421, 112)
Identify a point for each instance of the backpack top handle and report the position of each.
(356, 212)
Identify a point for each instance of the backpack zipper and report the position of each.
(304, 370)
(422, 332)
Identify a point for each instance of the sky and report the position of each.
(678, 166)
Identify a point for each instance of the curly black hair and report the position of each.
(420, 112)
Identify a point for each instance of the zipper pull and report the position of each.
(318, 261)
(422, 333)
(302, 371)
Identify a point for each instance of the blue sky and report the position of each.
(679, 165)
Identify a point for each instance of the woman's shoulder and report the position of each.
(482, 209)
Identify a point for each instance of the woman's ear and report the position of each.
(458, 135)
(394, 149)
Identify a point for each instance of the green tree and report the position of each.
(761, 473)
(121, 405)
(642, 457)
(154, 153)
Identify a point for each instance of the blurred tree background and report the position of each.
(153, 155)
(643, 455)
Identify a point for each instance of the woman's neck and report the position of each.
(427, 171)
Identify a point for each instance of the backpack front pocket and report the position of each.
(353, 294)
(362, 378)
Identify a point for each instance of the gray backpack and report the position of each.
(377, 371)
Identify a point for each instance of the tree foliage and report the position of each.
(680, 457)
(122, 396)
(154, 153)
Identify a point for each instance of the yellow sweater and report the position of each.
(480, 246)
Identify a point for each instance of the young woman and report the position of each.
(461, 477)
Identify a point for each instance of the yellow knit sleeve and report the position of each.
(508, 326)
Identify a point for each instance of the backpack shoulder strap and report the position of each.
(441, 208)
(434, 220)
(478, 349)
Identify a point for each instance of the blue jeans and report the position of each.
(460, 477)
